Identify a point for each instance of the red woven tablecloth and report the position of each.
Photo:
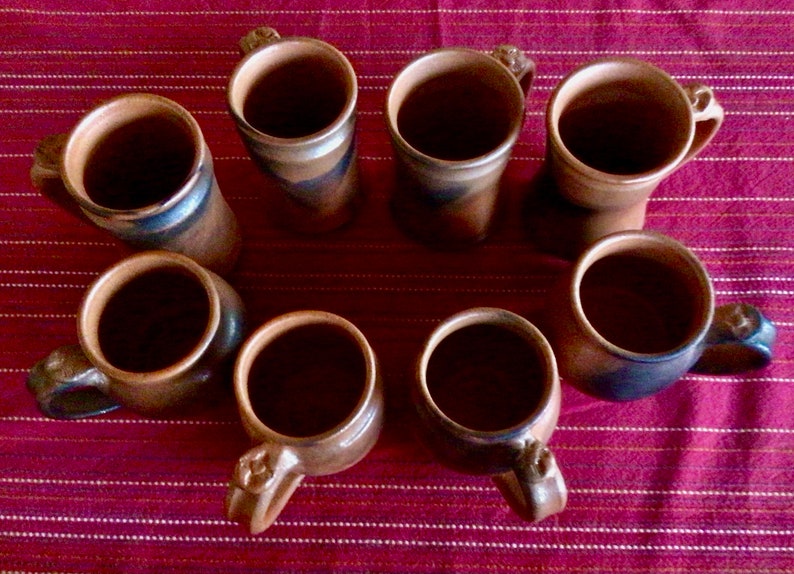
(695, 479)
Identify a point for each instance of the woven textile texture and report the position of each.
(697, 478)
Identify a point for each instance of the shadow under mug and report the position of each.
(310, 396)
(487, 395)
(157, 331)
(615, 128)
(293, 100)
(453, 115)
(637, 312)
(138, 167)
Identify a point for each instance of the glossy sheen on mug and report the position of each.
(637, 312)
(294, 101)
(138, 167)
(454, 115)
(156, 331)
(487, 396)
(310, 397)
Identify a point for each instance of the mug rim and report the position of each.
(612, 244)
(272, 330)
(553, 114)
(515, 324)
(147, 106)
(391, 118)
(261, 52)
(122, 273)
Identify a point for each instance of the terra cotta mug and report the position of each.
(157, 331)
(293, 100)
(310, 396)
(487, 396)
(615, 128)
(138, 167)
(636, 313)
(454, 115)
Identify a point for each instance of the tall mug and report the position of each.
(138, 167)
(615, 128)
(454, 115)
(294, 102)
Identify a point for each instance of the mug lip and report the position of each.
(269, 332)
(147, 104)
(501, 318)
(502, 148)
(612, 244)
(552, 122)
(249, 60)
(119, 275)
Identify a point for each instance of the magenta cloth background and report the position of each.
(696, 479)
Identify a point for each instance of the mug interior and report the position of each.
(645, 297)
(294, 88)
(455, 105)
(133, 152)
(307, 380)
(148, 314)
(487, 377)
(622, 117)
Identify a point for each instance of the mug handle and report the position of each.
(534, 488)
(740, 339)
(68, 386)
(263, 482)
(45, 174)
(257, 38)
(708, 115)
(518, 63)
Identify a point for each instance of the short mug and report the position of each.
(157, 332)
(310, 397)
(453, 115)
(487, 394)
(636, 312)
(293, 100)
(138, 167)
(615, 128)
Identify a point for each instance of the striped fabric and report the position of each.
(695, 479)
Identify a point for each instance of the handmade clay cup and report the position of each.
(487, 396)
(293, 101)
(157, 332)
(138, 167)
(636, 312)
(453, 115)
(311, 399)
(615, 128)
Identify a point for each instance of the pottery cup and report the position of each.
(293, 100)
(138, 167)
(636, 312)
(487, 396)
(615, 128)
(156, 333)
(453, 115)
(310, 397)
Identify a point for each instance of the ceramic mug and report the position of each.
(488, 396)
(293, 101)
(138, 167)
(636, 312)
(310, 396)
(615, 128)
(453, 115)
(157, 331)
